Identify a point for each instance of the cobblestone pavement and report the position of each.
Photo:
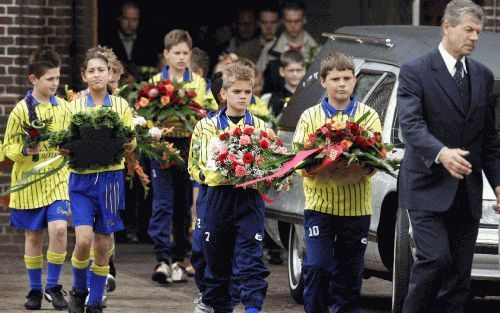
(137, 293)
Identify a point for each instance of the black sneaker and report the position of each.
(96, 308)
(55, 295)
(76, 302)
(33, 300)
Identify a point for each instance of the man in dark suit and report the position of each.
(128, 45)
(447, 116)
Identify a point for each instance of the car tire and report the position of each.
(295, 257)
(403, 260)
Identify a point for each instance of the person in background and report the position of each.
(293, 38)
(269, 21)
(292, 70)
(172, 186)
(128, 44)
(245, 29)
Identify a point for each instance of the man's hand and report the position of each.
(32, 151)
(63, 152)
(454, 161)
(496, 207)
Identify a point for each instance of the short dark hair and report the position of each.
(200, 59)
(294, 6)
(271, 9)
(42, 60)
(336, 61)
(176, 36)
(291, 56)
(216, 86)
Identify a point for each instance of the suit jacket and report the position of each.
(143, 52)
(431, 117)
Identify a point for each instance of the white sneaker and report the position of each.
(104, 296)
(162, 273)
(179, 274)
(203, 308)
(110, 283)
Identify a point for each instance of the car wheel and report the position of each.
(403, 260)
(295, 257)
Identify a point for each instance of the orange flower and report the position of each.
(170, 89)
(346, 144)
(143, 102)
(165, 100)
(336, 125)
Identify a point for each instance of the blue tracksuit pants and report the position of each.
(335, 248)
(233, 247)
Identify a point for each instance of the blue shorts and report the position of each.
(96, 200)
(37, 219)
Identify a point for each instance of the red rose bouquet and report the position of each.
(169, 103)
(238, 153)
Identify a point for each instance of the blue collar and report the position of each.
(330, 111)
(53, 99)
(187, 74)
(90, 101)
(252, 100)
(223, 120)
(211, 114)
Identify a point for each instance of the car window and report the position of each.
(364, 83)
(379, 98)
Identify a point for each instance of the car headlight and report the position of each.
(489, 215)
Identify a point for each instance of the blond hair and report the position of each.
(236, 72)
(177, 36)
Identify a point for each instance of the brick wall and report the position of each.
(24, 26)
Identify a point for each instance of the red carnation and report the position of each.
(263, 133)
(191, 94)
(238, 132)
(233, 166)
(34, 133)
(167, 81)
(371, 141)
(248, 130)
(264, 143)
(279, 143)
(162, 90)
(247, 158)
(223, 136)
(221, 158)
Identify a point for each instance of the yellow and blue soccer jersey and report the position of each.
(328, 197)
(193, 81)
(194, 149)
(209, 132)
(258, 107)
(116, 104)
(52, 188)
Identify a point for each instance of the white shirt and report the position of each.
(128, 44)
(450, 61)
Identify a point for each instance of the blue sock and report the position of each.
(53, 273)
(79, 273)
(98, 275)
(34, 267)
(252, 310)
(54, 266)
(89, 274)
(35, 276)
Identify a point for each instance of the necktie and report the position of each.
(459, 77)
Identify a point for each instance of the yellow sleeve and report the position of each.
(302, 132)
(12, 144)
(194, 153)
(155, 79)
(128, 121)
(373, 123)
(209, 102)
(2, 157)
(200, 86)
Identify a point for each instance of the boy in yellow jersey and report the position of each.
(97, 195)
(44, 204)
(257, 107)
(336, 215)
(172, 201)
(233, 221)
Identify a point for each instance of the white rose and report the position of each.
(139, 121)
(155, 132)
